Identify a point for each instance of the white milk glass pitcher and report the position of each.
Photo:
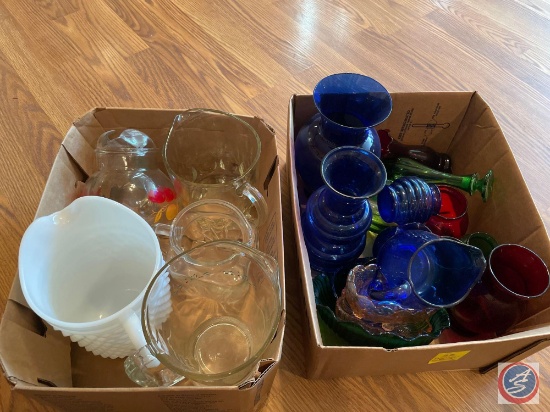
(84, 270)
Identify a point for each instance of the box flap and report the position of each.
(23, 341)
(433, 119)
(30, 356)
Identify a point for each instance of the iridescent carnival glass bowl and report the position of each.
(348, 330)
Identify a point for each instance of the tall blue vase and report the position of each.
(349, 105)
(338, 214)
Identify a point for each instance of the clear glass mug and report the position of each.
(208, 315)
(205, 221)
(210, 154)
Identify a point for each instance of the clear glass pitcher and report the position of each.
(129, 173)
(211, 154)
(208, 315)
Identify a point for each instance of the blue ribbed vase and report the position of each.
(409, 199)
(338, 214)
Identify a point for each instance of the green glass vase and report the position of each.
(401, 167)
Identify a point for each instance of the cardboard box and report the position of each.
(461, 124)
(43, 364)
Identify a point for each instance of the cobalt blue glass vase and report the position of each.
(349, 105)
(409, 199)
(338, 214)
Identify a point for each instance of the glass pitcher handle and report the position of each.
(162, 229)
(142, 367)
(145, 370)
(257, 200)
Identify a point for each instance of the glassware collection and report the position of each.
(385, 225)
(201, 309)
(424, 272)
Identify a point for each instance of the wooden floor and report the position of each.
(59, 58)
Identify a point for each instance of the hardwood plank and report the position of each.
(364, 56)
(527, 21)
(36, 18)
(108, 66)
(25, 166)
(263, 27)
(202, 61)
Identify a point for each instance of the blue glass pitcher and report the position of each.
(438, 271)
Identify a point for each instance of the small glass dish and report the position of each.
(337, 332)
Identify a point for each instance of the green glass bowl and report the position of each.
(336, 332)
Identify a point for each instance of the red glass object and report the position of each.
(514, 275)
(161, 194)
(392, 149)
(452, 219)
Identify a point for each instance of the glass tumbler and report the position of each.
(515, 275)
(452, 218)
(481, 240)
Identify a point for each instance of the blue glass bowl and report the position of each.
(336, 332)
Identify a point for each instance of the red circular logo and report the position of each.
(518, 383)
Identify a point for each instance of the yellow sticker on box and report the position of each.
(448, 356)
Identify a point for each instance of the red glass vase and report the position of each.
(392, 149)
